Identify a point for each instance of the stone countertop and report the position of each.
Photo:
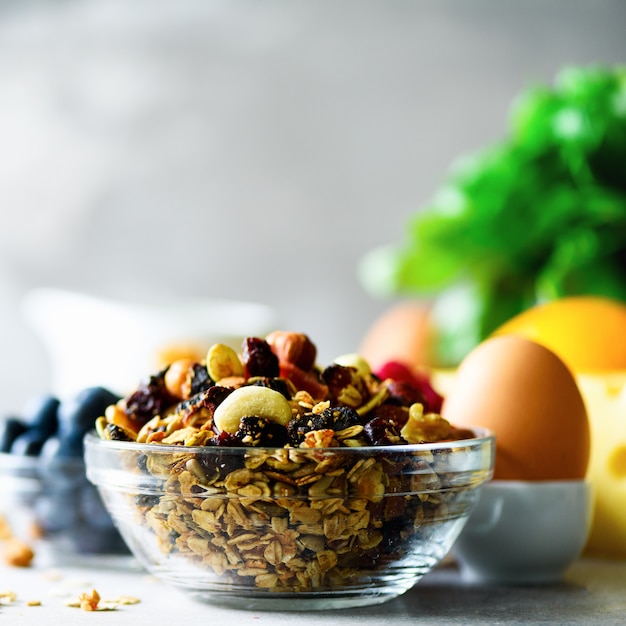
(593, 592)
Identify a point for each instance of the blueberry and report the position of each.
(57, 511)
(41, 413)
(62, 466)
(10, 429)
(29, 443)
(85, 540)
(92, 508)
(78, 414)
(63, 447)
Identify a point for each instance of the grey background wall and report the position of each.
(244, 149)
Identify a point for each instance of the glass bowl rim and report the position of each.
(483, 437)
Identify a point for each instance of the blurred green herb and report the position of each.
(539, 215)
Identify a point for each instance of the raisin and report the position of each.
(117, 433)
(299, 426)
(340, 417)
(146, 500)
(259, 359)
(382, 432)
(277, 384)
(259, 431)
(222, 462)
(394, 536)
(142, 463)
(200, 379)
(199, 409)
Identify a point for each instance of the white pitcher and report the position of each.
(94, 340)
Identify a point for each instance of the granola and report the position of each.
(261, 472)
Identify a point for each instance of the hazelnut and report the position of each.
(295, 348)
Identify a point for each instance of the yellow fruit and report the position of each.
(587, 332)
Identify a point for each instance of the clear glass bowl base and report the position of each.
(303, 601)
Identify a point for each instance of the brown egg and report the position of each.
(402, 333)
(528, 397)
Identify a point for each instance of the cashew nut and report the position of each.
(252, 401)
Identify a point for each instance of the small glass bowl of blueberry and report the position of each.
(45, 497)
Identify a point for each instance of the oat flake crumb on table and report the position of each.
(593, 593)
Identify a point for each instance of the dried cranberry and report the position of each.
(258, 358)
(225, 439)
(150, 398)
(400, 372)
(392, 412)
(404, 394)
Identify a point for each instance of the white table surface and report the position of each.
(593, 592)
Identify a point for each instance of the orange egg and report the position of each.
(525, 394)
(402, 333)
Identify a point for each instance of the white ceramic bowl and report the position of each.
(525, 532)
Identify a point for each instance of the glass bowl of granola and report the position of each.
(261, 481)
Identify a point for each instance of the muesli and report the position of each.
(281, 475)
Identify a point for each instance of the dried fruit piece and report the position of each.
(199, 410)
(150, 398)
(382, 432)
(305, 381)
(260, 431)
(258, 358)
(200, 379)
